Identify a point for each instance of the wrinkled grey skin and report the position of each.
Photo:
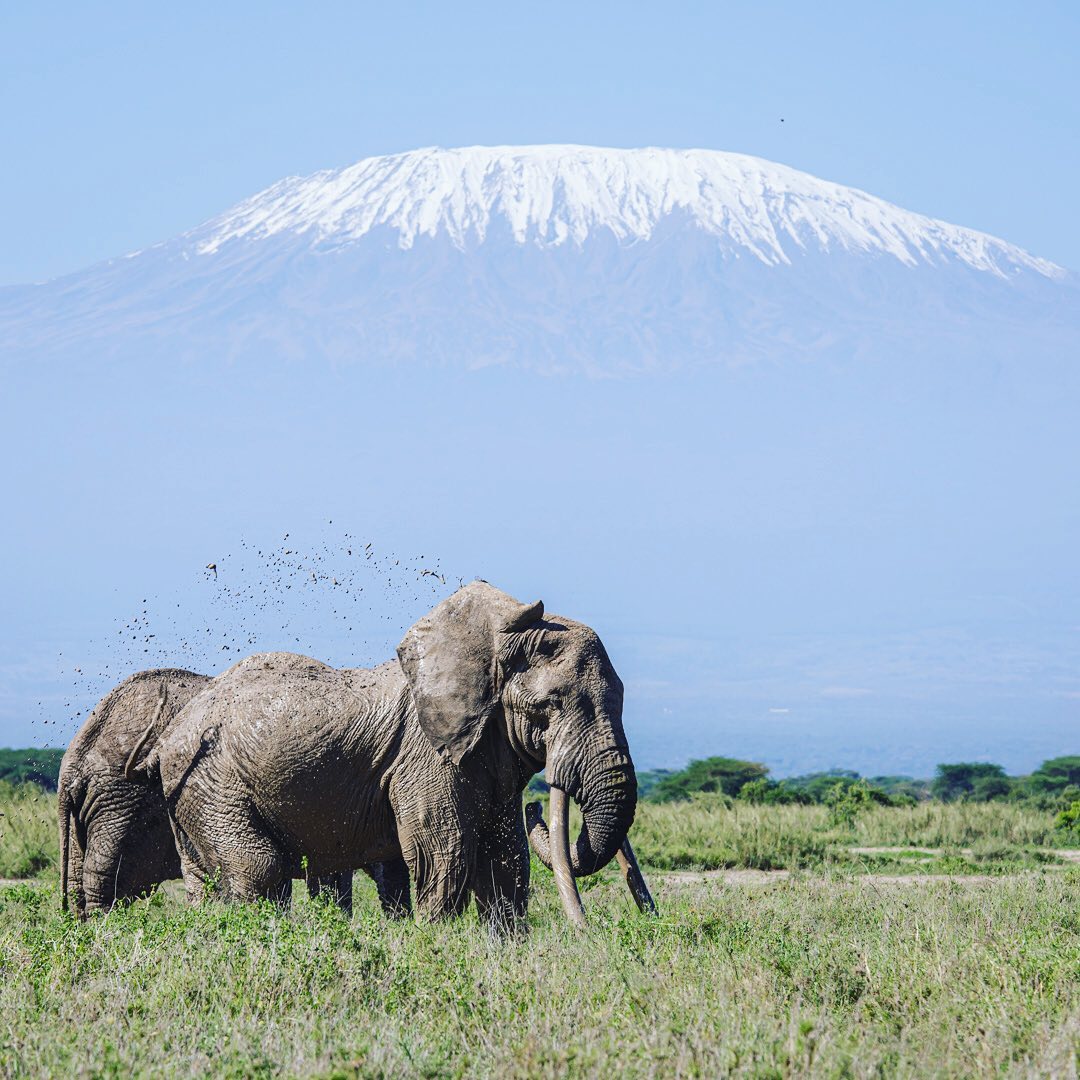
(423, 759)
(116, 842)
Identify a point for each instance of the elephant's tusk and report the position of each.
(634, 879)
(536, 827)
(560, 858)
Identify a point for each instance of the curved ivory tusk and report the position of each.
(560, 858)
(536, 827)
(634, 879)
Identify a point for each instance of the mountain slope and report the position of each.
(559, 258)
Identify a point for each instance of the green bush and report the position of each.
(722, 775)
(1069, 818)
(847, 801)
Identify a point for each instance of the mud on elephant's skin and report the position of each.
(115, 839)
(284, 760)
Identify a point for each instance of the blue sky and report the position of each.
(127, 123)
(888, 565)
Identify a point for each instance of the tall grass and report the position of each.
(29, 844)
(709, 832)
(792, 979)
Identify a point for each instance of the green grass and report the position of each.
(29, 841)
(827, 972)
(810, 975)
(710, 833)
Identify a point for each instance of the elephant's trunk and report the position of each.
(607, 795)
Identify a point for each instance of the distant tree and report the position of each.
(816, 786)
(989, 788)
(1053, 776)
(647, 779)
(718, 774)
(916, 790)
(33, 766)
(953, 782)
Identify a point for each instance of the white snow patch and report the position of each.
(555, 195)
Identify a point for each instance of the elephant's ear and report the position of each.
(449, 661)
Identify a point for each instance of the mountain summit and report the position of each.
(555, 195)
(556, 258)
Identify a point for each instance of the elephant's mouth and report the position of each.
(553, 850)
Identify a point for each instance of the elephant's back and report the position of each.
(306, 743)
(266, 715)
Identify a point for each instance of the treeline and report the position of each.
(41, 767)
(1054, 785)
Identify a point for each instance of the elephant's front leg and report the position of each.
(501, 878)
(436, 836)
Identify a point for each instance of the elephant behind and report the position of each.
(116, 842)
(285, 763)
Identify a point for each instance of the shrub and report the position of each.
(958, 781)
(1069, 818)
(716, 774)
(847, 801)
(766, 792)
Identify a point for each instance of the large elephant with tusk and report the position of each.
(283, 761)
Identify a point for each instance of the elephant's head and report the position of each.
(481, 657)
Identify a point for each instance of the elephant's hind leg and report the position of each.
(227, 852)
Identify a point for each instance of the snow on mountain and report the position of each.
(564, 259)
(554, 195)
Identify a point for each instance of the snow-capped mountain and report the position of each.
(562, 258)
(834, 523)
(554, 195)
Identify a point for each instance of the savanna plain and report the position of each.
(929, 940)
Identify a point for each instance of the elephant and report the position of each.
(284, 762)
(116, 842)
(116, 839)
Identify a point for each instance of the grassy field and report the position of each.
(964, 837)
(828, 971)
(709, 834)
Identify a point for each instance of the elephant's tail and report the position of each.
(132, 771)
(66, 811)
